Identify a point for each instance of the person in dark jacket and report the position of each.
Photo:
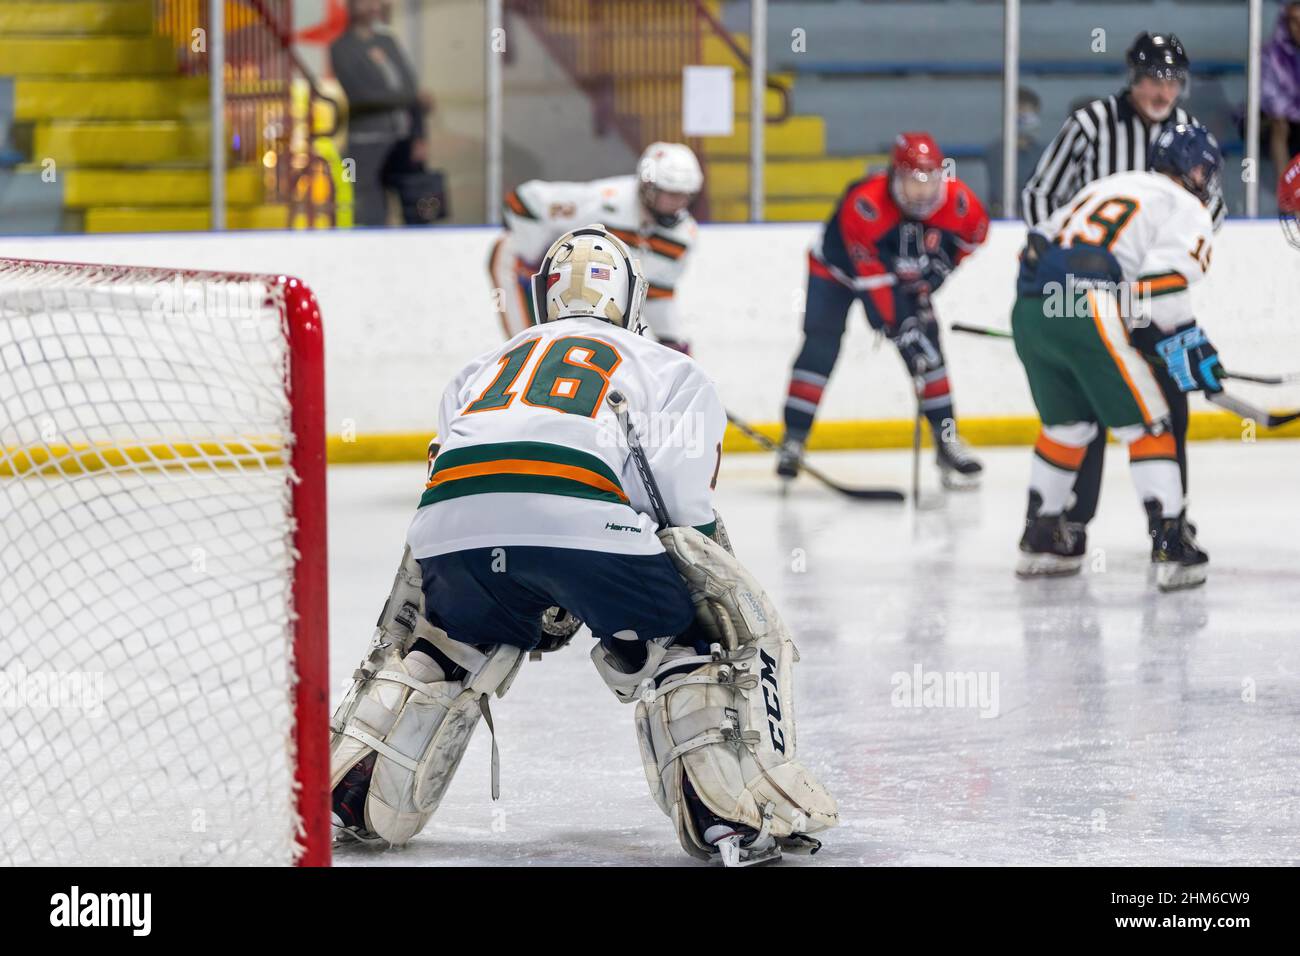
(386, 136)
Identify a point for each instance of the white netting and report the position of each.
(145, 569)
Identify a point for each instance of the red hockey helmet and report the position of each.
(917, 175)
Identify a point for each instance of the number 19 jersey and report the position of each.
(532, 454)
(1159, 232)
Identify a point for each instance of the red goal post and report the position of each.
(163, 572)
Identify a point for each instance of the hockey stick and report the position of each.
(919, 383)
(980, 330)
(862, 494)
(1239, 376)
(1263, 379)
(1252, 412)
(618, 402)
(1244, 409)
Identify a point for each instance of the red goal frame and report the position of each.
(310, 588)
(311, 571)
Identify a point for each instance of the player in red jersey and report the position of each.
(892, 240)
(1288, 201)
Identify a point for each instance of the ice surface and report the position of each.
(1131, 727)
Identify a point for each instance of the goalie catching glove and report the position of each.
(717, 731)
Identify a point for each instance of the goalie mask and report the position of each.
(590, 272)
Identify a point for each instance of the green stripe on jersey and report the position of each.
(528, 450)
(516, 484)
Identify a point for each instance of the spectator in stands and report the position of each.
(1280, 87)
(1028, 147)
(386, 109)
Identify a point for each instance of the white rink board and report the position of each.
(404, 309)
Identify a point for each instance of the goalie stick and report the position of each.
(862, 494)
(618, 402)
(1223, 400)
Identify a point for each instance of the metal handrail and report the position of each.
(260, 67)
(722, 33)
(285, 40)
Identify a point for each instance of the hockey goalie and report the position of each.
(575, 471)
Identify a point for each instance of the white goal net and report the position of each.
(162, 619)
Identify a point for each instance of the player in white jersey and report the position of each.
(647, 211)
(1103, 300)
(539, 498)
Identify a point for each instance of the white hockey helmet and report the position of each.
(670, 178)
(589, 271)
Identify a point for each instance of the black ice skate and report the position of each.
(958, 468)
(1080, 532)
(1154, 521)
(1178, 560)
(735, 843)
(789, 457)
(348, 801)
(1049, 547)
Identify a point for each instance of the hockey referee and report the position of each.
(1111, 135)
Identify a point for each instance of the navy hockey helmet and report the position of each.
(1190, 154)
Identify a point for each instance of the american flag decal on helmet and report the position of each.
(600, 272)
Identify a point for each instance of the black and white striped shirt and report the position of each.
(1106, 136)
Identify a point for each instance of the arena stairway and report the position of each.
(95, 91)
(800, 181)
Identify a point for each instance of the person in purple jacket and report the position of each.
(1280, 87)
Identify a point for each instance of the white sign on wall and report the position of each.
(708, 100)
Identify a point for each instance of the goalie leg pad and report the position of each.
(429, 735)
(726, 721)
(419, 724)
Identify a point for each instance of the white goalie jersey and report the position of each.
(1161, 234)
(538, 213)
(531, 452)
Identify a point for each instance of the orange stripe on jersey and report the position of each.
(524, 466)
(1162, 284)
(658, 292)
(1062, 456)
(517, 205)
(667, 247)
(630, 238)
(1150, 447)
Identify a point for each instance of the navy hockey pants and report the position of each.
(498, 595)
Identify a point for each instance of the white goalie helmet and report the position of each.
(670, 178)
(589, 271)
